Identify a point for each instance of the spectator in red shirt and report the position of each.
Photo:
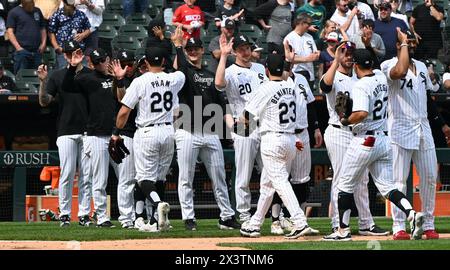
(190, 17)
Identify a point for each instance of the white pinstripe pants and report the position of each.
(208, 147)
(97, 149)
(426, 163)
(71, 152)
(301, 166)
(337, 141)
(246, 151)
(277, 153)
(126, 174)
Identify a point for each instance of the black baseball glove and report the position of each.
(344, 105)
(117, 150)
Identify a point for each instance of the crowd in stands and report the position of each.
(33, 31)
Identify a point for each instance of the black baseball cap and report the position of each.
(275, 64)
(154, 56)
(70, 46)
(125, 56)
(227, 23)
(141, 60)
(194, 43)
(98, 55)
(256, 48)
(363, 58)
(385, 5)
(241, 40)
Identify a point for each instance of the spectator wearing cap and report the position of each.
(190, 17)
(346, 18)
(66, 24)
(96, 86)
(27, 33)
(256, 53)
(279, 15)
(131, 7)
(228, 10)
(326, 57)
(156, 39)
(425, 22)
(317, 12)
(367, 39)
(304, 48)
(227, 28)
(386, 27)
(6, 82)
(71, 124)
(94, 12)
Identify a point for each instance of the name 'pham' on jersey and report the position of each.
(161, 83)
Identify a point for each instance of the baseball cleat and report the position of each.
(276, 229)
(339, 236)
(229, 224)
(286, 224)
(85, 221)
(139, 222)
(248, 230)
(106, 224)
(430, 234)
(64, 221)
(373, 231)
(296, 233)
(190, 225)
(416, 222)
(128, 225)
(163, 216)
(149, 227)
(401, 235)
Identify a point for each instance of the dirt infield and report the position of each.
(163, 243)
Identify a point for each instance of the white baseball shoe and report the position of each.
(297, 232)
(139, 222)
(163, 216)
(339, 236)
(286, 224)
(416, 221)
(250, 231)
(275, 228)
(149, 228)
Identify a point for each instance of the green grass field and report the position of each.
(50, 231)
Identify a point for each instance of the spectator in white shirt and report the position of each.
(94, 12)
(346, 19)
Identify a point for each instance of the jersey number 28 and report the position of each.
(166, 100)
(284, 117)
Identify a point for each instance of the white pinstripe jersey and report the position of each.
(304, 97)
(370, 94)
(341, 83)
(408, 105)
(303, 46)
(241, 83)
(155, 94)
(274, 104)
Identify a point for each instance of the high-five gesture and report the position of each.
(42, 72)
(116, 69)
(177, 37)
(225, 46)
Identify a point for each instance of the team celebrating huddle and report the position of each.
(125, 111)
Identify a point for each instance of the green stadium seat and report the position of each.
(139, 18)
(128, 43)
(157, 3)
(139, 53)
(106, 33)
(115, 20)
(7, 62)
(213, 30)
(439, 68)
(49, 56)
(28, 75)
(9, 74)
(137, 31)
(25, 87)
(251, 30)
(114, 8)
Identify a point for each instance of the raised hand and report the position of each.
(158, 32)
(225, 46)
(116, 69)
(401, 37)
(42, 72)
(289, 54)
(177, 36)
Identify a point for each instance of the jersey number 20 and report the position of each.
(284, 118)
(166, 100)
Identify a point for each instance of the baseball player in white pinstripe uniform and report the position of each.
(239, 81)
(72, 118)
(153, 142)
(369, 148)
(411, 133)
(274, 105)
(341, 78)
